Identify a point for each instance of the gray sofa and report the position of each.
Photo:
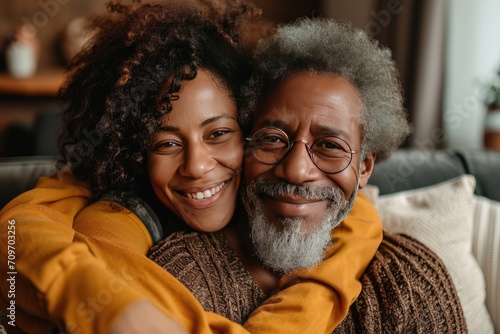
(410, 169)
(19, 174)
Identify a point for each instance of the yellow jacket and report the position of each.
(80, 272)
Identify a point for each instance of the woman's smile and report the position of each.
(199, 195)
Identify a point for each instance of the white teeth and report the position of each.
(206, 193)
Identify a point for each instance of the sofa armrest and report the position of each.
(21, 173)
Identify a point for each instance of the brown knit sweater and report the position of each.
(207, 265)
(406, 288)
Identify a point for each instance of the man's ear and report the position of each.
(366, 170)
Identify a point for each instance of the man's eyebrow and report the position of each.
(274, 123)
(318, 129)
(328, 130)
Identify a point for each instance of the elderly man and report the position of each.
(322, 104)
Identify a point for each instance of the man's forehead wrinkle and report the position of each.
(329, 104)
(316, 127)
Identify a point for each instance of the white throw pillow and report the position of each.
(441, 217)
(486, 249)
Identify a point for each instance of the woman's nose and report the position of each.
(198, 160)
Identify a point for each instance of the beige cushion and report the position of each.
(441, 217)
(486, 249)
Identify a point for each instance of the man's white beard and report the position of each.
(290, 247)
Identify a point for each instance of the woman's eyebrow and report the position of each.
(215, 119)
(168, 128)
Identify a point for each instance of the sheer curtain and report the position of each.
(472, 57)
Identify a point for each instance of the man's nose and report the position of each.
(297, 166)
(198, 160)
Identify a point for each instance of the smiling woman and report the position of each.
(196, 156)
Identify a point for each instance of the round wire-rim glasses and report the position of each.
(331, 154)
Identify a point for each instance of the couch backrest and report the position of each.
(21, 173)
(412, 168)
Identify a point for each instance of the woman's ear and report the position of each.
(366, 169)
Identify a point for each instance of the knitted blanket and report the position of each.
(406, 288)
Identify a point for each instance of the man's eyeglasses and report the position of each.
(330, 154)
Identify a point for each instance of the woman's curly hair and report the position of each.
(322, 45)
(123, 82)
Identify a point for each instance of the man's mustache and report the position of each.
(262, 187)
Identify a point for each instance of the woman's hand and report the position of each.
(144, 317)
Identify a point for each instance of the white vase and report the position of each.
(21, 60)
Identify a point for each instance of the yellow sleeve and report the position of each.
(45, 260)
(317, 300)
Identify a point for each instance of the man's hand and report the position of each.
(144, 317)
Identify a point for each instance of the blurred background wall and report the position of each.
(446, 52)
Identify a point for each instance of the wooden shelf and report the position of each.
(43, 83)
